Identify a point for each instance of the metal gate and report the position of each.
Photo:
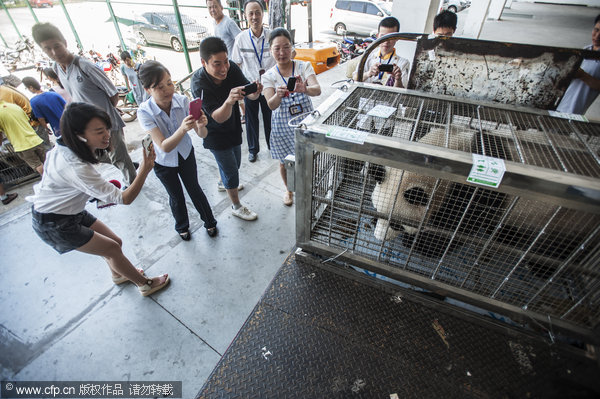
(381, 181)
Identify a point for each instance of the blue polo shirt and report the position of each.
(150, 116)
(50, 106)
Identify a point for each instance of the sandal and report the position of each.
(186, 235)
(122, 279)
(288, 198)
(148, 289)
(212, 232)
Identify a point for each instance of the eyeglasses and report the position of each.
(281, 49)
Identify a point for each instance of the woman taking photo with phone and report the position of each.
(70, 180)
(286, 99)
(166, 117)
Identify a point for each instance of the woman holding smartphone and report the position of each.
(286, 99)
(70, 179)
(166, 117)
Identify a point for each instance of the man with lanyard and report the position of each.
(251, 52)
(584, 89)
(386, 55)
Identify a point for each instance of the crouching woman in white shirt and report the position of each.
(70, 180)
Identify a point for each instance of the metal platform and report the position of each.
(328, 332)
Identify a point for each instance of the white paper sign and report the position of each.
(382, 111)
(487, 171)
(565, 115)
(345, 134)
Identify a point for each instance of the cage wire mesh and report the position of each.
(13, 169)
(516, 250)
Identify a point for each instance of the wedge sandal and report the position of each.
(148, 289)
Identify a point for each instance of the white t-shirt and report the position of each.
(227, 30)
(273, 79)
(86, 83)
(382, 78)
(579, 96)
(68, 183)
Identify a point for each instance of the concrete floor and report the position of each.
(61, 317)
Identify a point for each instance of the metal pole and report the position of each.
(32, 12)
(11, 20)
(182, 33)
(241, 14)
(288, 14)
(114, 19)
(309, 10)
(62, 4)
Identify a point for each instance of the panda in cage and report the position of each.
(414, 197)
(410, 198)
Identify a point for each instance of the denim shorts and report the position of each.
(64, 233)
(229, 162)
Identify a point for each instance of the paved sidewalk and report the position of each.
(61, 317)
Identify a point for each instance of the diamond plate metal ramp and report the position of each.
(324, 332)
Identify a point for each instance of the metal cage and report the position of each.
(13, 170)
(390, 193)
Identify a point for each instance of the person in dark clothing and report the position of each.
(220, 84)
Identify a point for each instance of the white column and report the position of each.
(416, 16)
(508, 4)
(496, 9)
(477, 15)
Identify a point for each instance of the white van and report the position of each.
(358, 16)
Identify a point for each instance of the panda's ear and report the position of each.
(377, 172)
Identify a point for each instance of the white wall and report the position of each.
(415, 16)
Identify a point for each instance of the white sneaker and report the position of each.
(244, 213)
(221, 187)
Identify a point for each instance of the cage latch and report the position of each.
(290, 170)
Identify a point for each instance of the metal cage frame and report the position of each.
(556, 187)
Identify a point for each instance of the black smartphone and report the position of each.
(386, 67)
(250, 88)
(291, 84)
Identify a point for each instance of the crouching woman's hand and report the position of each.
(146, 166)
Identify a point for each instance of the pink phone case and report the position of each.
(196, 108)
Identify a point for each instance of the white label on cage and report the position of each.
(345, 134)
(565, 115)
(431, 54)
(382, 111)
(487, 171)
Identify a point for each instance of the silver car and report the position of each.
(358, 16)
(161, 28)
(456, 5)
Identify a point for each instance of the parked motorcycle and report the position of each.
(21, 56)
(350, 48)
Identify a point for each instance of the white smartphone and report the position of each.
(146, 143)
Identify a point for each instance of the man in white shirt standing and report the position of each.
(398, 77)
(252, 53)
